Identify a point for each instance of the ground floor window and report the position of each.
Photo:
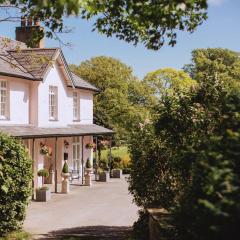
(76, 153)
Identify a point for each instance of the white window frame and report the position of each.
(53, 103)
(4, 100)
(76, 106)
(76, 157)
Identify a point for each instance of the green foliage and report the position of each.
(88, 164)
(18, 235)
(210, 207)
(141, 226)
(116, 163)
(182, 158)
(43, 173)
(65, 168)
(15, 183)
(150, 23)
(152, 181)
(168, 81)
(113, 106)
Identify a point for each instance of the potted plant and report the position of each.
(88, 169)
(103, 173)
(65, 174)
(43, 194)
(90, 145)
(45, 150)
(116, 165)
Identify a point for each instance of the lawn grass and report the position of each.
(116, 152)
(18, 235)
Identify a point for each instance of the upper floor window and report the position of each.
(75, 106)
(3, 100)
(53, 103)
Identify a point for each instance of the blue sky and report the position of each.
(222, 29)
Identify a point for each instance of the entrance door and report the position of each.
(76, 154)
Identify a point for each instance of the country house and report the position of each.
(46, 105)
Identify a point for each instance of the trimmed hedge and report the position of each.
(15, 183)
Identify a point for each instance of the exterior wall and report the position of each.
(29, 101)
(18, 101)
(48, 163)
(65, 102)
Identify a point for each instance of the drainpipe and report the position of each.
(33, 143)
(110, 156)
(82, 159)
(96, 160)
(55, 160)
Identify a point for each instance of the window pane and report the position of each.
(3, 98)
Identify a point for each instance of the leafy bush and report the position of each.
(43, 173)
(65, 168)
(210, 208)
(15, 183)
(173, 163)
(141, 226)
(88, 164)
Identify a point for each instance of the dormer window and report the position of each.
(75, 106)
(3, 100)
(53, 103)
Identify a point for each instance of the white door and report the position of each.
(76, 154)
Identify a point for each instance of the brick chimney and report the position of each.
(25, 32)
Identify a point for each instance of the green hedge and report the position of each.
(15, 183)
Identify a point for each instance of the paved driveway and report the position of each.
(103, 211)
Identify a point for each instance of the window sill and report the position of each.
(53, 120)
(4, 119)
(77, 120)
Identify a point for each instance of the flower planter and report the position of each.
(88, 180)
(117, 173)
(50, 178)
(43, 195)
(65, 183)
(104, 177)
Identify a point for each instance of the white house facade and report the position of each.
(47, 106)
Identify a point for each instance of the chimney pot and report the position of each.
(36, 22)
(30, 22)
(23, 22)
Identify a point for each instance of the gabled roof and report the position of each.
(35, 61)
(17, 60)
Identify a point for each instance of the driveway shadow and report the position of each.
(90, 233)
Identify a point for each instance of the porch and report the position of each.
(64, 144)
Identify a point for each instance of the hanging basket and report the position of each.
(90, 145)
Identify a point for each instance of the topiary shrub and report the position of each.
(44, 173)
(88, 164)
(15, 183)
(65, 168)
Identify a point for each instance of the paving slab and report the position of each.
(103, 207)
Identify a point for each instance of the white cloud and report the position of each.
(216, 2)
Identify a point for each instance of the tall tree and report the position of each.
(118, 104)
(148, 22)
(168, 81)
